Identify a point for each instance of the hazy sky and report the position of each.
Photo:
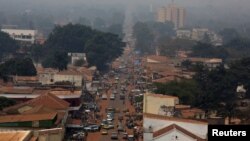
(197, 10)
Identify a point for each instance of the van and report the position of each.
(104, 97)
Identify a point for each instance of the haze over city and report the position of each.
(124, 70)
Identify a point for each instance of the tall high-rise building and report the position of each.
(173, 14)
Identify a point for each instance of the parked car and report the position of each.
(87, 128)
(104, 132)
(115, 92)
(122, 96)
(125, 135)
(109, 126)
(120, 128)
(104, 97)
(112, 97)
(110, 119)
(131, 138)
(95, 128)
(110, 110)
(92, 128)
(114, 136)
(104, 122)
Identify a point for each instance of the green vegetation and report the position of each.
(161, 29)
(186, 90)
(149, 33)
(58, 60)
(212, 89)
(205, 50)
(101, 48)
(18, 66)
(168, 47)
(37, 52)
(228, 34)
(7, 45)
(144, 38)
(6, 102)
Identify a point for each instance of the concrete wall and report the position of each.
(76, 79)
(174, 135)
(152, 104)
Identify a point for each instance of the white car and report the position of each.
(110, 118)
(112, 97)
(104, 97)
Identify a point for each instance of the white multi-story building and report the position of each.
(77, 56)
(22, 35)
(183, 34)
(199, 33)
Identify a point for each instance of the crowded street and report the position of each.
(117, 118)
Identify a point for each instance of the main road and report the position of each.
(118, 104)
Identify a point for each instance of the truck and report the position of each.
(122, 96)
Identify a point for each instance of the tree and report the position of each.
(69, 38)
(58, 60)
(240, 71)
(103, 49)
(229, 34)
(144, 38)
(219, 91)
(186, 90)
(37, 52)
(238, 48)
(161, 29)
(7, 45)
(208, 51)
(169, 47)
(6, 102)
(18, 66)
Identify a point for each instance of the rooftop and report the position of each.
(30, 92)
(164, 79)
(190, 113)
(174, 126)
(16, 90)
(15, 135)
(20, 31)
(160, 95)
(179, 106)
(25, 78)
(47, 99)
(157, 59)
(162, 117)
(40, 70)
(29, 117)
(205, 60)
(70, 72)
